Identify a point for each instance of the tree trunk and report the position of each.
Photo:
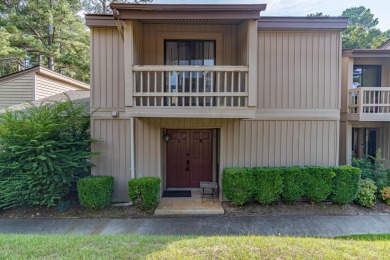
(50, 59)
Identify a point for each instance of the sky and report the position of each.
(380, 8)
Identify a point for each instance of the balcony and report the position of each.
(190, 91)
(369, 104)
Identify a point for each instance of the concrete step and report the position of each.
(189, 206)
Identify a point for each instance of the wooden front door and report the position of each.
(189, 157)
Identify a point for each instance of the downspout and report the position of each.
(132, 149)
(115, 14)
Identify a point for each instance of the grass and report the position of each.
(368, 237)
(191, 247)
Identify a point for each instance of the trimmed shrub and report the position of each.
(366, 195)
(238, 185)
(268, 184)
(319, 182)
(293, 183)
(386, 195)
(144, 192)
(345, 184)
(95, 191)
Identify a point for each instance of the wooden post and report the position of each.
(252, 62)
(129, 61)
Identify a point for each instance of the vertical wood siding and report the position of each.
(298, 70)
(45, 87)
(242, 43)
(16, 91)
(114, 147)
(107, 67)
(243, 144)
(343, 143)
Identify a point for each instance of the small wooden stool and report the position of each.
(213, 186)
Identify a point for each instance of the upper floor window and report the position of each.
(366, 76)
(190, 52)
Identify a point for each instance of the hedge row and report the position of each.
(268, 184)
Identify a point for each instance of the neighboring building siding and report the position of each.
(385, 140)
(46, 87)
(298, 70)
(107, 69)
(114, 147)
(16, 91)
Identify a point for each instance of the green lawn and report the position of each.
(191, 247)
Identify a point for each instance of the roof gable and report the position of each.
(46, 73)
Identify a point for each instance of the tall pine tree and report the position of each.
(45, 32)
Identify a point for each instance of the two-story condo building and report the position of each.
(184, 91)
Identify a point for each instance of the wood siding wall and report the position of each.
(16, 91)
(45, 87)
(107, 69)
(244, 143)
(298, 70)
(114, 147)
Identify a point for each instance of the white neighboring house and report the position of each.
(34, 84)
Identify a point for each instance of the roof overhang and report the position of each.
(302, 23)
(186, 12)
(367, 53)
(100, 20)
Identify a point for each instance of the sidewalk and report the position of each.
(324, 226)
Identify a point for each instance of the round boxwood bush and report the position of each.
(268, 184)
(293, 183)
(238, 185)
(144, 192)
(319, 182)
(345, 184)
(95, 191)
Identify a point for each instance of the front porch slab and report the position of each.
(189, 206)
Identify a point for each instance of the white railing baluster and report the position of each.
(217, 88)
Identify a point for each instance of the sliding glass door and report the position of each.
(189, 53)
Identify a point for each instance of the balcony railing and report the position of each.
(190, 86)
(369, 100)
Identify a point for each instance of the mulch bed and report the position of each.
(249, 209)
(74, 211)
(303, 208)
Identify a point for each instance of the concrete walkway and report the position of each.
(325, 226)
